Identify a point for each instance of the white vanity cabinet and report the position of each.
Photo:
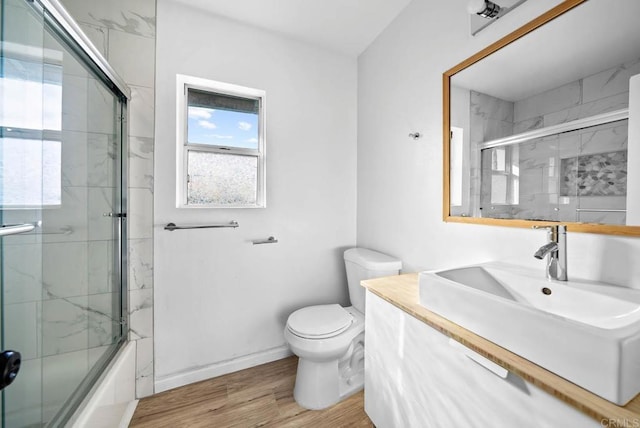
(416, 376)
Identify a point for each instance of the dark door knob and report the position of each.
(9, 367)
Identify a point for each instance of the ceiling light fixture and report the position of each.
(484, 8)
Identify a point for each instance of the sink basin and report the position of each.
(584, 331)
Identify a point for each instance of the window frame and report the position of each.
(512, 199)
(183, 84)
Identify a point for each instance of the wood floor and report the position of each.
(257, 397)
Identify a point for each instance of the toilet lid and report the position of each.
(321, 321)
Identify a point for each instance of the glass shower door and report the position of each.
(61, 163)
(23, 178)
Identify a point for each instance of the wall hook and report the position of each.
(415, 135)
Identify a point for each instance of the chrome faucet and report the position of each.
(556, 252)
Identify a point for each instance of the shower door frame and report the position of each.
(65, 21)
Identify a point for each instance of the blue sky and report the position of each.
(222, 128)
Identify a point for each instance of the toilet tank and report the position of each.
(362, 264)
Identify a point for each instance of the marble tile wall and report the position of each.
(599, 93)
(608, 138)
(602, 92)
(540, 160)
(58, 297)
(124, 31)
(490, 118)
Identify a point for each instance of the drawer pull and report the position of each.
(484, 362)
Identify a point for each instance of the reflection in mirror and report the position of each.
(539, 128)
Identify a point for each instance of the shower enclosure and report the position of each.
(62, 205)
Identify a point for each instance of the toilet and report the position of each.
(329, 339)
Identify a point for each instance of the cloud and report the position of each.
(245, 126)
(252, 140)
(199, 113)
(221, 137)
(206, 124)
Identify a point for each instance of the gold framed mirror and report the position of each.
(543, 126)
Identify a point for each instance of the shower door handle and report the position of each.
(9, 367)
(13, 229)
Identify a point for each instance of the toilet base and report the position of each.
(316, 384)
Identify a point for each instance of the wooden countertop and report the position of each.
(402, 291)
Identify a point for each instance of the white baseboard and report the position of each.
(186, 377)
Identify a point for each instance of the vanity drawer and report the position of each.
(416, 377)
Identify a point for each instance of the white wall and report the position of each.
(400, 180)
(218, 297)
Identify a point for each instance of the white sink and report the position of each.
(586, 332)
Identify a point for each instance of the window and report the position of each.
(30, 129)
(503, 165)
(456, 161)
(221, 138)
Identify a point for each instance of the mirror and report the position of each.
(537, 125)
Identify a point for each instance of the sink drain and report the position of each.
(546, 291)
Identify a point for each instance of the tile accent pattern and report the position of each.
(124, 32)
(600, 174)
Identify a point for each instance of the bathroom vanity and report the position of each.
(421, 370)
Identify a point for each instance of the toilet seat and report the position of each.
(320, 321)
